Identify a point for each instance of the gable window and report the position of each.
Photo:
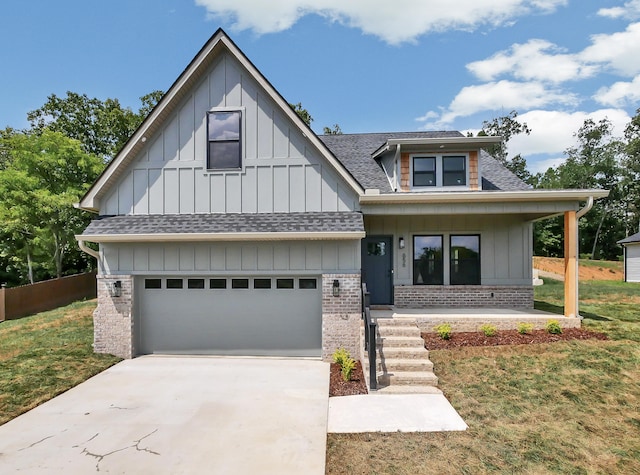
(454, 171)
(439, 171)
(224, 140)
(428, 260)
(424, 171)
(465, 260)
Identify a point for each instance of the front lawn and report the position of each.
(46, 354)
(566, 407)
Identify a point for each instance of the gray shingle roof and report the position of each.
(631, 239)
(227, 223)
(355, 150)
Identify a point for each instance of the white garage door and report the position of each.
(257, 316)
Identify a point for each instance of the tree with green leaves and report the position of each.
(46, 174)
(102, 127)
(302, 113)
(507, 127)
(630, 181)
(594, 162)
(334, 130)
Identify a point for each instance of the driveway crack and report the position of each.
(135, 445)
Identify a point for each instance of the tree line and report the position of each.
(599, 160)
(47, 167)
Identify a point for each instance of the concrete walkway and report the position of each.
(393, 413)
(179, 415)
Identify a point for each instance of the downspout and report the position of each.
(579, 215)
(83, 247)
(396, 164)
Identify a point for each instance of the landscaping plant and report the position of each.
(443, 330)
(488, 329)
(525, 328)
(347, 364)
(553, 327)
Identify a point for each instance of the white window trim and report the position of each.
(439, 171)
(446, 252)
(243, 137)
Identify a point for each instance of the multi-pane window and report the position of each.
(427, 260)
(424, 171)
(224, 140)
(454, 171)
(429, 256)
(465, 260)
(439, 171)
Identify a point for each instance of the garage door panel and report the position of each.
(266, 322)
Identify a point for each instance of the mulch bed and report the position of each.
(507, 337)
(338, 387)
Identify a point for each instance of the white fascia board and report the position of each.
(210, 237)
(483, 196)
(437, 141)
(442, 143)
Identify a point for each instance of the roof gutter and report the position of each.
(483, 196)
(84, 248)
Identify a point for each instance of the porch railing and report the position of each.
(369, 337)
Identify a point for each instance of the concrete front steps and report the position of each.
(402, 363)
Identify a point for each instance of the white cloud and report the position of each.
(552, 132)
(394, 22)
(620, 93)
(619, 51)
(501, 95)
(536, 60)
(630, 11)
(541, 166)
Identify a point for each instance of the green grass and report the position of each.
(566, 407)
(46, 354)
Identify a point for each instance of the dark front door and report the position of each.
(377, 268)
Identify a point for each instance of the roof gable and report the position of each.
(356, 152)
(217, 47)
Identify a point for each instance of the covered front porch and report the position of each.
(471, 319)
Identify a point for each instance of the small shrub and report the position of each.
(553, 327)
(488, 329)
(340, 356)
(347, 368)
(443, 330)
(525, 328)
(347, 364)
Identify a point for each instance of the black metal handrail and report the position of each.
(369, 337)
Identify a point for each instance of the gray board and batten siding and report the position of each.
(282, 171)
(506, 243)
(231, 258)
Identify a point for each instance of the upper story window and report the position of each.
(454, 170)
(439, 171)
(424, 171)
(224, 149)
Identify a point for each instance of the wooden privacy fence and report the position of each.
(21, 301)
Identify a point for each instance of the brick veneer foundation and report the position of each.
(113, 318)
(341, 315)
(418, 296)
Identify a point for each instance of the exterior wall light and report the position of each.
(401, 242)
(336, 288)
(115, 289)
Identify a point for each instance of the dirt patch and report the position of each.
(507, 337)
(588, 271)
(339, 387)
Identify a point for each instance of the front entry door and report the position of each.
(377, 268)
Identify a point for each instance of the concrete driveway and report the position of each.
(164, 414)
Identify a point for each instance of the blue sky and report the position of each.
(367, 65)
